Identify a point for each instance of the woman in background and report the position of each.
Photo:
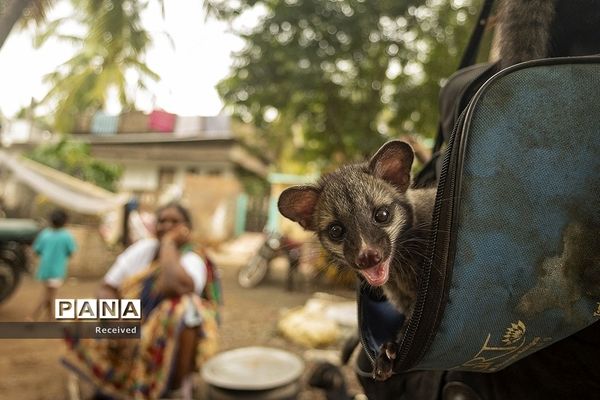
(180, 294)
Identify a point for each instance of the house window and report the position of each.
(214, 172)
(166, 176)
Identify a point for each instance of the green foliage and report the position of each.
(113, 45)
(253, 185)
(330, 81)
(74, 158)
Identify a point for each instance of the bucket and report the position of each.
(253, 373)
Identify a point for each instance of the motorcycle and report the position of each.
(15, 235)
(274, 245)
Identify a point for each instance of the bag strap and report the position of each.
(470, 55)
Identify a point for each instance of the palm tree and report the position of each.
(114, 45)
(11, 11)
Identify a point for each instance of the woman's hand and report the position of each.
(174, 280)
(179, 234)
(173, 231)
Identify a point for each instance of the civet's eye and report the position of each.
(336, 232)
(381, 215)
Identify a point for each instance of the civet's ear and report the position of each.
(298, 203)
(392, 163)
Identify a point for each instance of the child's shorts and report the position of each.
(54, 283)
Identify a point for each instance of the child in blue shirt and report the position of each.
(54, 246)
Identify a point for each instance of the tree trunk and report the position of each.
(10, 12)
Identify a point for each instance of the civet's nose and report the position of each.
(368, 258)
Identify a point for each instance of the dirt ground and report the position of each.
(30, 370)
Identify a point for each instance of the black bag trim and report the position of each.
(436, 274)
(470, 54)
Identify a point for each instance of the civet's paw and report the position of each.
(384, 364)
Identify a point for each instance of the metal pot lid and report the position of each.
(252, 368)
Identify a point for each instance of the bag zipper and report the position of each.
(361, 337)
(427, 291)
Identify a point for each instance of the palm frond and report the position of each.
(142, 68)
(37, 11)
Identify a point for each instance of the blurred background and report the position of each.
(110, 108)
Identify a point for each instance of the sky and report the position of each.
(189, 71)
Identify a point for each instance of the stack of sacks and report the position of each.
(217, 127)
(322, 321)
(133, 122)
(83, 123)
(189, 126)
(104, 124)
(161, 121)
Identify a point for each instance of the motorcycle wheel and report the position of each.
(254, 272)
(9, 279)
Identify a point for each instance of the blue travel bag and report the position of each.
(514, 260)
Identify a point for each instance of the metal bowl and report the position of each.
(252, 368)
